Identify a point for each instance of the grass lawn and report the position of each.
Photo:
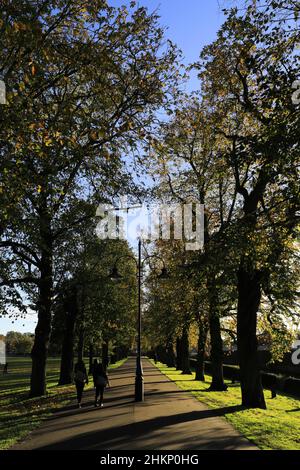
(20, 415)
(276, 428)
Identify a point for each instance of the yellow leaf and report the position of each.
(48, 142)
(93, 135)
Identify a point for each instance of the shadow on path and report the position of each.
(123, 434)
(169, 418)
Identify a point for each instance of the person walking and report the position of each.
(100, 381)
(80, 378)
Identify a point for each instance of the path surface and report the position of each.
(169, 419)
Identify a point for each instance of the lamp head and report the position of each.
(115, 275)
(164, 274)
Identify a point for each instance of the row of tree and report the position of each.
(18, 343)
(235, 148)
(84, 81)
(93, 94)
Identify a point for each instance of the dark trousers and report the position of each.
(79, 390)
(99, 392)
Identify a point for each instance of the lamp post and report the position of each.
(116, 276)
(139, 376)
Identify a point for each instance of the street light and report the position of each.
(116, 276)
(164, 275)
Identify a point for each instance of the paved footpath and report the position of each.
(168, 419)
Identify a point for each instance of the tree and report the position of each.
(235, 149)
(247, 75)
(89, 309)
(193, 168)
(84, 79)
(18, 343)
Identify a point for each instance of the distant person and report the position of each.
(80, 378)
(100, 381)
(5, 368)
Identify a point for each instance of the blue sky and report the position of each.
(24, 326)
(191, 25)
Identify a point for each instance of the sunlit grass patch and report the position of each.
(18, 414)
(277, 428)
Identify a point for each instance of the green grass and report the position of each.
(276, 428)
(20, 415)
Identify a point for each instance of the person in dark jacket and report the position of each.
(100, 381)
(80, 378)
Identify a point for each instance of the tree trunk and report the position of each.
(113, 356)
(91, 357)
(171, 361)
(121, 352)
(105, 358)
(249, 296)
(161, 353)
(216, 342)
(43, 328)
(67, 355)
(178, 354)
(185, 351)
(80, 346)
(216, 354)
(201, 351)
